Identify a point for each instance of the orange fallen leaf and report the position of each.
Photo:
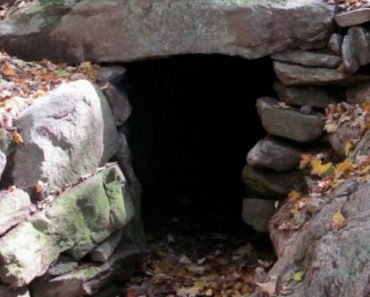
(8, 70)
(343, 168)
(338, 220)
(305, 160)
(17, 138)
(294, 195)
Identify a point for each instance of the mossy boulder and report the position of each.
(74, 223)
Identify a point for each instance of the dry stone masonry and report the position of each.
(93, 210)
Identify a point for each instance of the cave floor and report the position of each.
(187, 261)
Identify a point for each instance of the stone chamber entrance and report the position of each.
(194, 120)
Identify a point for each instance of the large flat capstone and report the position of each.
(121, 31)
(74, 223)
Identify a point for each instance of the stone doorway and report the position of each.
(193, 122)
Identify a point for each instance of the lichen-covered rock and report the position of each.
(275, 154)
(264, 183)
(333, 261)
(15, 206)
(289, 123)
(89, 280)
(74, 223)
(68, 133)
(296, 75)
(309, 58)
(137, 29)
(310, 96)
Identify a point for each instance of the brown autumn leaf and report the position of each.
(8, 70)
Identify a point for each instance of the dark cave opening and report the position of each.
(193, 122)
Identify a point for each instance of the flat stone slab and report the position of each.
(103, 251)
(289, 123)
(311, 96)
(269, 184)
(74, 223)
(15, 207)
(353, 17)
(274, 154)
(88, 281)
(68, 31)
(296, 75)
(309, 58)
(258, 212)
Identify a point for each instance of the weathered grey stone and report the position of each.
(66, 134)
(265, 183)
(2, 163)
(6, 291)
(346, 132)
(358, 94)
(356, 49)
(64, 265)
(258, 212)
(112, 73)
(15, 207)
(335, 43)
(103, 251)
(353, 17)
(332, 259)
(309, 58)
(275, 154)
(119, 103)
(363, 147)
(312, 96)
(295, 75)
(67, 31)
(123, 157)
(289, 123)
(88, 281)
(74, 223)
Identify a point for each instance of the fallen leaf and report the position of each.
(298, 276)
(305, 160)
(294, 195)
(348, 147)
(17, 138)
(320, 169)
(343, 168)
(338, 220)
